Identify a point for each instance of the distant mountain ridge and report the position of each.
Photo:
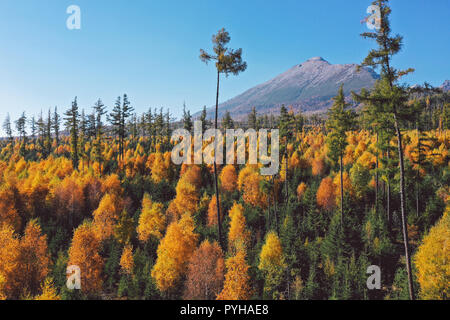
(309, 87)
(446, 85)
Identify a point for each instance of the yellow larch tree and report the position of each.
(228, 179)
(126, 260)
(152, 220)
(174, 252)
(84, 253)
(433, 261)
(272, 262)
(237, 281)
(238, 235)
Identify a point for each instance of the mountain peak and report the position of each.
(317, 59)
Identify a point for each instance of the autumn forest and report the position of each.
(367, 183)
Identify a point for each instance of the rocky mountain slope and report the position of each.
(309, 86)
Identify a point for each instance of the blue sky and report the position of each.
(149, 49)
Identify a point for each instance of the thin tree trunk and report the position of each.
(342, 190)
(286, 172)
(418, 169)
(376, 181)
(403, 208)
(219, 223)
(275, 207)
(388, 194)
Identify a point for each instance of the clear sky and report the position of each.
(149, 49)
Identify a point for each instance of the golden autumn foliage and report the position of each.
(112, 185)
(205, 273)
(84, 253)
(318, 166)
(24, 262)
(159, 168)
(126, 260)
(49, 292)
(301, 190)
(9, 262)
(8, 212)
(106, 217)
(237, 281)
(347, 183)
(243, 175)
(174, 252)
(151, 221)
(326, 194)
(212, 212)
(68, 199)
(433, 261)
(228, 178)
(34, 258)
(271, 255)
(238, 235)
(187, 197)
(193, 176)
(271, 261)
(249, 182)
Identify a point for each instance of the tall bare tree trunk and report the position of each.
(342, 189)
(388, 195)
(376, 181)
(418, 170)
(286, 172)
(403, 206)
(219, 223)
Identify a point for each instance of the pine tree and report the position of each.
(227, 61)
(21, 129)
(99, 112)
(8, 129)
(286, 126)
(72, 121)
(253, 119)
(48, 134)
(33, 128)
(126, 112)
(187, 119)
(56, 122)
(390, 99)
(227, 121)
(41, 132)
(115, 119)
(205, 122)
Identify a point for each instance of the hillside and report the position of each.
(308, 86)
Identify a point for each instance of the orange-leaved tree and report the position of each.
(84, 253)
(174, 252)
(237, 281)
(205, 272)
(326, 194)
(152, 220)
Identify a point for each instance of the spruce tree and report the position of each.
(8, 129)
(56, 125)
(253, 119)
(72, 121)
(227, 121)
(390, 99)
(99, 112)
(286, 125)
(340, 121)
(21, 124)
(204, 119)
(187, 119)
